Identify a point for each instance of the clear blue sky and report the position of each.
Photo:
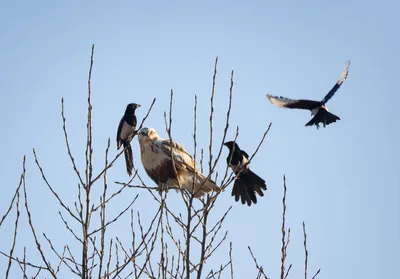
(344, 181)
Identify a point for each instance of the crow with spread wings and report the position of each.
(169, 165)
(247, 183)
(317, 108)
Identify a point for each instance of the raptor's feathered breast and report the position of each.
(156, 160)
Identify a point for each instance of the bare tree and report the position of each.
(170, 245)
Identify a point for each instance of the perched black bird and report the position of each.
(247, 183)
(317, 108)
(126, 132)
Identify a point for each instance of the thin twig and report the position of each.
(38, 246)
(116, 218)
(212, 114)
(287, 272)
(148, 112)
(283, 230)
(52, 190)
(23, 262)
(14, 238)
(15, 195)
(230, 259)
(69, 228)
(103, 213)
(305, 251)
(261, 142)
(316, 273)
(89, 173)
(24, 269)
(67, 143)
(228, 113)
(260, 268)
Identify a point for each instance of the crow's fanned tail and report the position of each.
(246, 186)
(323, 116)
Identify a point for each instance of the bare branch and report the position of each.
(67, 143)
(23, 262)
(228, 113)
(69, 228)
(305, 251)
(38, 246)
(103, 213)
(52, 190)
(261, 142)
(15, 195)
(89, 173)
(60, 257)
(148, 112)
(212, 114)
(124, 185)
(116, 218)
(230, 259)
(287, 272)
(260, 268)
(283, 230)
(316, 273)
(14, 239)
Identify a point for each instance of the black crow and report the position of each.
(247, 183)
(126, 132)
(317, 108)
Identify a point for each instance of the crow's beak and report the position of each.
(138, 106)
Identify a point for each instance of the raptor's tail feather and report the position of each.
(202, 186)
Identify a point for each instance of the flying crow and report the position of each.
(126, 132)
(317, 108)
(247, 183)
(157, 153)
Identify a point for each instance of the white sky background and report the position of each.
(344, 180)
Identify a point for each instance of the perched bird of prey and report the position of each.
(126, 132)
(157, 153)
(247, 183)
(317, 108)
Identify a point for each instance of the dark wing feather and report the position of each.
(283, 102)
(342, 78)
(245, 154)
(119, 141)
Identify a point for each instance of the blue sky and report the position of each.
(343, 181)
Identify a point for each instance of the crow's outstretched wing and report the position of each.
(283, 102)
(342, 78)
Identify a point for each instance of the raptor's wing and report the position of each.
(181, 156)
